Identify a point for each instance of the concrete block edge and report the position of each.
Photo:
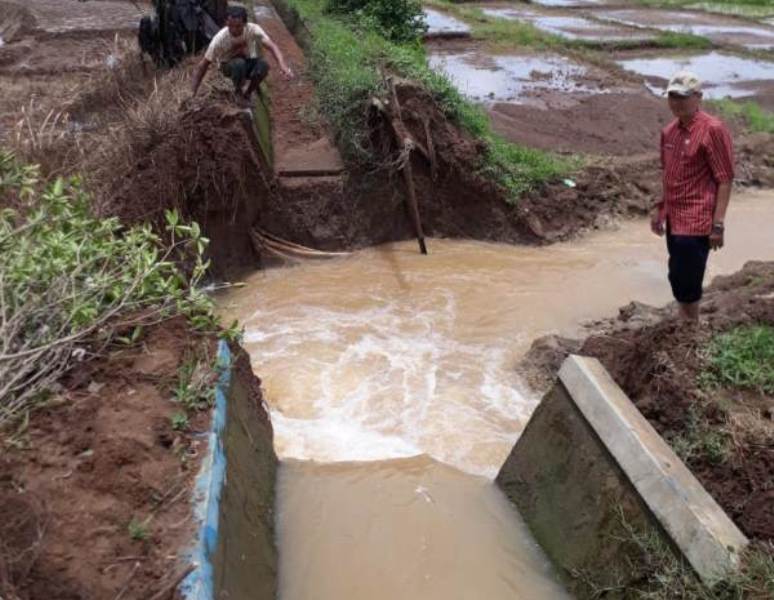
(200, 584)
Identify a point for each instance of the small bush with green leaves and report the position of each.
(397, 20)
(70, 282)
(743, 357)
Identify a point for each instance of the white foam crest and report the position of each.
(390, 381)
(334, 438)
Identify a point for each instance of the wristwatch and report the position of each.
(718, 227)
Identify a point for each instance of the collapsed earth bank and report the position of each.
(203, 159)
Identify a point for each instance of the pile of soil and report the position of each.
(102, 454)
(613, 124)
(657, 361)
(199, 157)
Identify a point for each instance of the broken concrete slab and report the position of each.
(264, 11)
(717, 28)
(589, 473)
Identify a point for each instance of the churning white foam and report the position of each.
(385, 380)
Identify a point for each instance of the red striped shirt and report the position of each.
(695, 158)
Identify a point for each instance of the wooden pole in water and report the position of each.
(407, 145)
(408, 177)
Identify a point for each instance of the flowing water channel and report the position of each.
(391, 385)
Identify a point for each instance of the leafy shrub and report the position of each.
(397, 20)
(70, 283)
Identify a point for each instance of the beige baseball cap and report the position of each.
(684, 83)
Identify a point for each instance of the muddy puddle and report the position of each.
(519, 78)
(387, 355)
(724, 75)
(442, 25)
(570, 27)
(719, 29)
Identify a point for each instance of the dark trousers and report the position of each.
(687, 263)
(240, 69)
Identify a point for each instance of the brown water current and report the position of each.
(408, 361)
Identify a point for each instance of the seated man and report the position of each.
(238, 48)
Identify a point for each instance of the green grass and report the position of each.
(744, 358)
(138, 530)
(701, 440)
(754, 117)
(179, 421)
(347, 64)
(668, 576)
(195, 389)
(752, 9)
(676, 39)
(766, 4)
(496, 30)
(743, 10)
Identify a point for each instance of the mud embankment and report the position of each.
(95, 494)
(95, 499)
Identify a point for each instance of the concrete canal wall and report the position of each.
(589, 474)
(235, 554)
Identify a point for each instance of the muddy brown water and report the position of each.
(407, 361)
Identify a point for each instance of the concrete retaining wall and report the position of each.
(235, 555)
(589, 473)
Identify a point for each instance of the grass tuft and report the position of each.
(755, 118)
(677, 39)
(700, 439)
(670, 576)
(743, 357)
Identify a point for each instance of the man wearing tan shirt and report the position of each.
(238, 49)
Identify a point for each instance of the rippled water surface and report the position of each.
(408, 361)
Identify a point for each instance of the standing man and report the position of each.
(238, 48)
(697, 165)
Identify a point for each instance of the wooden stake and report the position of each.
(407, 145)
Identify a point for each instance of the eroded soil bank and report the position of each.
(94, 496)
